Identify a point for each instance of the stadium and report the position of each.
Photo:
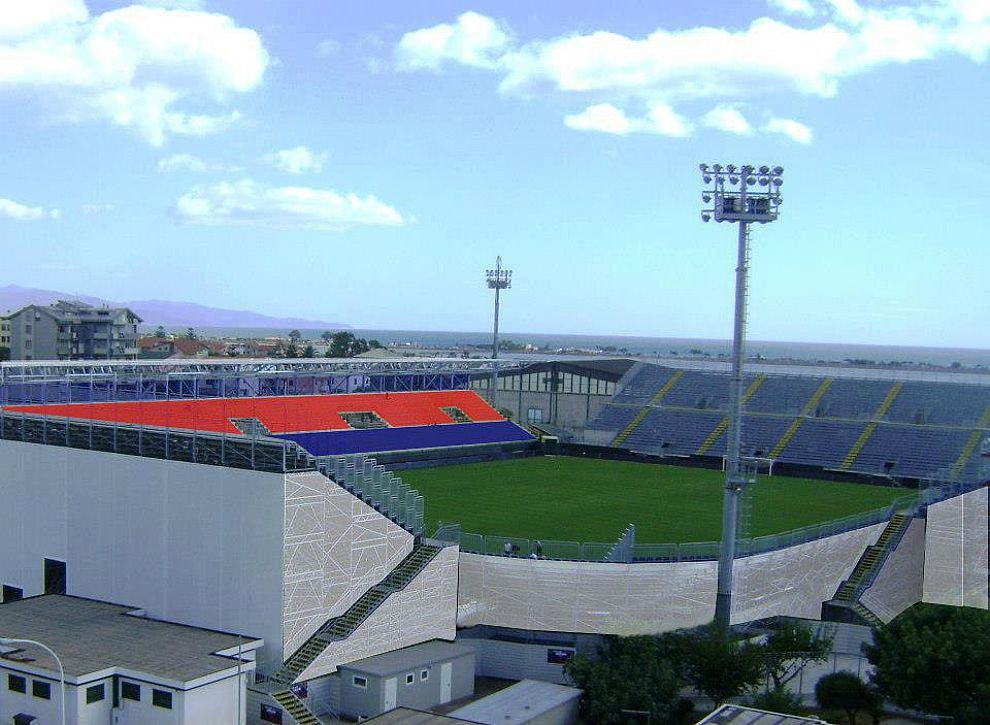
(343, 509)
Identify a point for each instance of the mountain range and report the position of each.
(162, 312)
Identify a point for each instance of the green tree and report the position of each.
(792, 646)
(935, 659)
(358, 345)
(340, 344)
(326, 336)
(375, 345)
(309, 351)
(191, 334)
(845, 691)
(160, 331)
(779, 699)
(294, 335)
(629, 673)
(719, 666)
(292, 350)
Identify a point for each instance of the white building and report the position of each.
(120, 667)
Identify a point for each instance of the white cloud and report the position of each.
(328, 47)
(728, 119)
(175, 4)
(94, 209)
(136, 67)
(193, 163)
(793, 7)
(606, 118)
(247, 203)
(794, 130)
(667, 68)
(298, 160)
(21, 212)
(473, 40)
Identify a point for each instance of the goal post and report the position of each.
(755, 464)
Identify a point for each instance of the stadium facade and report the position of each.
(242, 496)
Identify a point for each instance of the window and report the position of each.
(130, 691)
(424, 675)
(11, 594)
(410, 678)
(42, 690)
(161, 698)
(54, 576)
(534, 415)
(16, 683)
(94, 694)
(361, 682)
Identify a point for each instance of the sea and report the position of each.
(662, 347)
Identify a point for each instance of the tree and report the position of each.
(720, 666)
(779, 699)
(292, 350)
(629, 673)
(160, 331)
(792, 646)
(295, 335)
(309, 351)
(845, 691)
(375, 345)
(326, 336)
(358, 345)
(191, 334)
(936, 659)
(340, 344)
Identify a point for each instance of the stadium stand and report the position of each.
(911, 429)
(323, 424)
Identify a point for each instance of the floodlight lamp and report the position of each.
(703, 167)
(750, 180)
(731, 168)
(764, 181)
(705, 216)
(747, 169)
(717, 168)
(778, 181)
(733, 180)
(707, 179)
(778, 170)
(764, 169)
(706, 198)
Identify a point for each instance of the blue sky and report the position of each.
(365, 162)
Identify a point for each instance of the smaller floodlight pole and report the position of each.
(743, 206)
(498, 279)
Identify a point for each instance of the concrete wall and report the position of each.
(336, 548)
(515, 660)
(645, 598)
(189, 543)
(956, 544)
(900, 582)
(569, 410)
(424, 610)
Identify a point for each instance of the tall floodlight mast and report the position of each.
(498, 279)
(743, 195)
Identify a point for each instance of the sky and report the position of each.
(366, 162)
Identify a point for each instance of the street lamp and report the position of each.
(497, 279)
(7, 641)
(743, 195)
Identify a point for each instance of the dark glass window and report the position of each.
(16, 683)
(95, 694)
(161, 698)
(12, 594)
(130, 691)
(54, 576)
(41, 689)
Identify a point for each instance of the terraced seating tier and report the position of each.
(643, 384)
(940, 404)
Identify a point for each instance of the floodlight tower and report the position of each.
(742, 202)
(497, 279)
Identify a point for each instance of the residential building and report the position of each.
(73, 331)
(4, 332)
(119, 666)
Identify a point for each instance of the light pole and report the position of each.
(753, 195)
(61, 672)
(497, 279)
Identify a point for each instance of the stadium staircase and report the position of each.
(971, 444)
(724, 423)
(846, 606)
(296, 707)
(621, 438)
(807, 411)
(867, 433)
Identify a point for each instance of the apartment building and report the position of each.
(73, 331)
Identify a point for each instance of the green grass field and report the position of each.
(579, 499)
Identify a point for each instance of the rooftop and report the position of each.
(739, 715)
(522, 702)
(406, 716)
(91, 636)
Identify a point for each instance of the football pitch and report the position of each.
(580, 499)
